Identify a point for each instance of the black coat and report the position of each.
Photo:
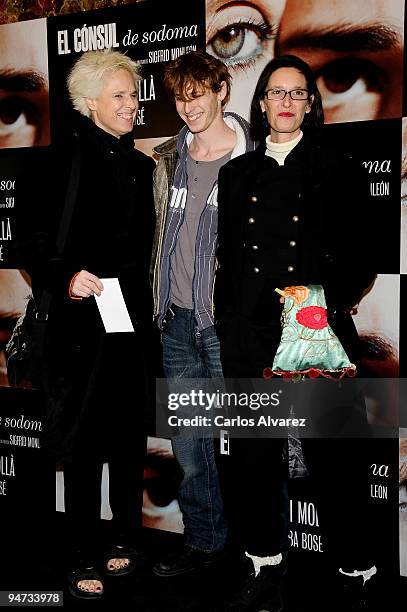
(113, 218)
(306, 228)
(110, 235)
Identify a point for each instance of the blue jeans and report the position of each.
(190, 353)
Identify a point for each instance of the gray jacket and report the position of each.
(169, 177)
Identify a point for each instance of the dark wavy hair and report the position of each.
(312, 120)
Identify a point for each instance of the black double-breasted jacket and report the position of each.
(299, 224)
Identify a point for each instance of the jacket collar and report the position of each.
(304, 153)
(99, 138)
(234, 121)
(168, 147)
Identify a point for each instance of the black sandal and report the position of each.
(122, 552)
(84, 573)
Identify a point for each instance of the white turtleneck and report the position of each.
(280, 150)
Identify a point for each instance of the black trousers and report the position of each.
(111, 429)
(83, 479)
(254, 476)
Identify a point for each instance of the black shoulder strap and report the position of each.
(70, 199)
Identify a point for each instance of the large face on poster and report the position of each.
(24, 104)
(149, 36)
(244, 37)
(354, 48)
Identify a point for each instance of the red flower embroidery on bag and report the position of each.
(313, 317)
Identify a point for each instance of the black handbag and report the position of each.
(24, 349)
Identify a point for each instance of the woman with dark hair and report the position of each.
(313, 119)
(286, 221)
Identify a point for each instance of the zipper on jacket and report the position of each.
(197, 233)
(156, 275)
(215, 267)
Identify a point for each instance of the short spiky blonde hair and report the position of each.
(85, 79)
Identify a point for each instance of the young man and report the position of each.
(184, 264)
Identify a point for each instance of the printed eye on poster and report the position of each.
(24, 116)
(150, 36)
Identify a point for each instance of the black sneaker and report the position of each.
(261, 593)
(186, 560)
(354, 595)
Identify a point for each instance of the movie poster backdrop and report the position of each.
(356, 51)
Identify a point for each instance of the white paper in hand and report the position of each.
(112, 307)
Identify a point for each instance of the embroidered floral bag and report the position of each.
(308, 345)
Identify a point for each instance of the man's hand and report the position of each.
(85, 284)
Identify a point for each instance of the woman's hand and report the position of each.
(84, 285)
(298, 293)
